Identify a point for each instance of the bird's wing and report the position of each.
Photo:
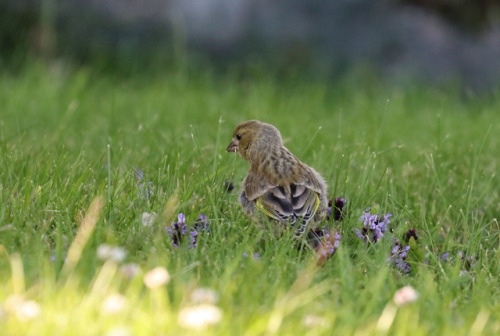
(305, 201)
(299, 202)
(310, 179)
(275, 204)
(256, 186)
(296, 210)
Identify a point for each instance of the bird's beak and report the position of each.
(233, 147)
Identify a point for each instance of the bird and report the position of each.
(278, 185)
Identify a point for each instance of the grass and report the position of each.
(71, 141)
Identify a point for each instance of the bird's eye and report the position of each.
(238, 136)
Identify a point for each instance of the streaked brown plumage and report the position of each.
(278, 184)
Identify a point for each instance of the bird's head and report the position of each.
(253, 133)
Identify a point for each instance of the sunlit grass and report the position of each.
(72, 143)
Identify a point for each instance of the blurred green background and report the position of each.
(436, 42)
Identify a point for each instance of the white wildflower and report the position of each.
(118, 254)
(107, 252)
(148, 218)
(119, 331)
(200, 316)
(312, 321)
(23, 310)
(113, 304)
(204, 295)
(157, 277)
(104, 251)
(129, 270)
(405, 295)
(28, 310)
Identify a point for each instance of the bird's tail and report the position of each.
(313, 240)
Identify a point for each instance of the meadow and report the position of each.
(96, 167)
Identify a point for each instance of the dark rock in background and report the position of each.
(402, 42)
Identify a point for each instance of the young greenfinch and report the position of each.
(287, 191)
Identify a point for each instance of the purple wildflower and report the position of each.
(202, 223)
(180, 230)
(256, 256)
(228, 186)
(332, 244)
(145, 188)
(332, 241)
(373, 226)
(54, 257)
(410, 233)
(398, 256)
(336, 208)
(468, 261)
(193, 234)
